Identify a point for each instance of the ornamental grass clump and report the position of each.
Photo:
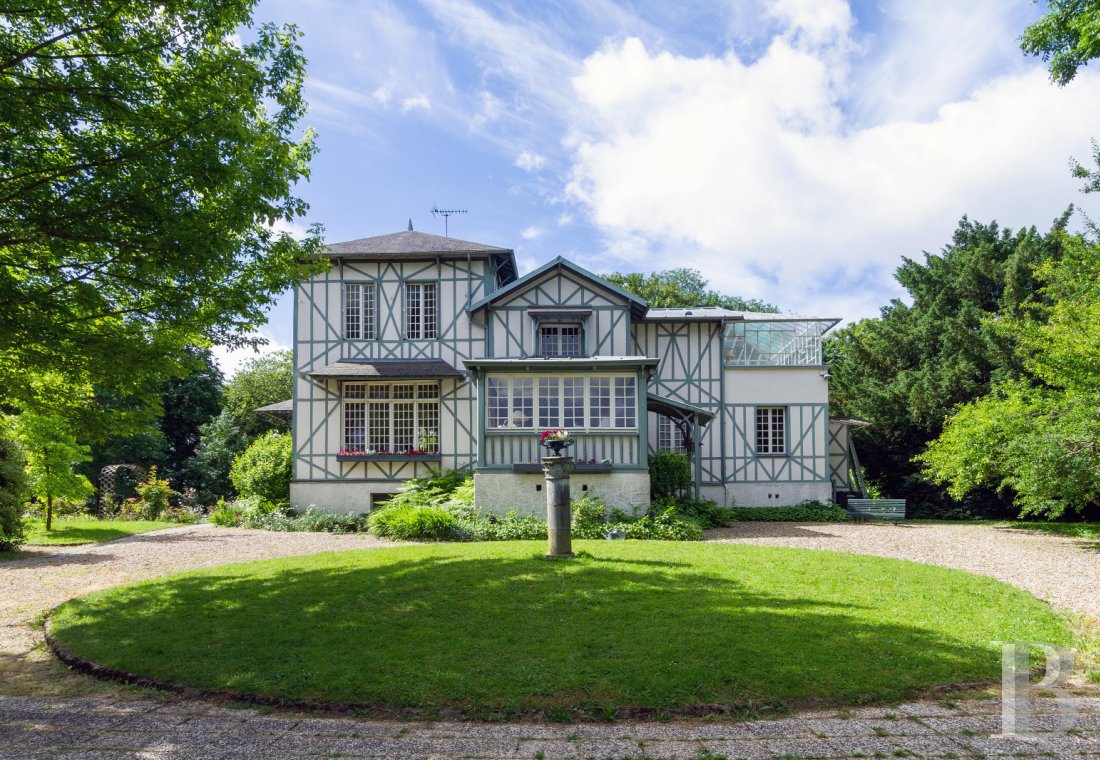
(413, 523)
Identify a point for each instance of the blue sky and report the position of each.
(791, 150)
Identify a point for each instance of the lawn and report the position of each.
(500, 629)
(82, 530)
(1086, 530)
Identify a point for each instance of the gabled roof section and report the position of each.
(638, 306)
(410, 242)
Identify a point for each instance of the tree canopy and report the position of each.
(681, 288)
(149, 159)
(1067, 37)
(906, 370)
(1036, 439)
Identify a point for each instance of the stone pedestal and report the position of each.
(558, 511)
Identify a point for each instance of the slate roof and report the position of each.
(279, 407)
(410, 242)
(397, 369)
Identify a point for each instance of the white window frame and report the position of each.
(771, 427)
(669, 437)
(365, 402)
(557, 328)
(360, 319)
(518, 412)
(421, 312)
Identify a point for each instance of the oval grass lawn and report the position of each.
(497, 627)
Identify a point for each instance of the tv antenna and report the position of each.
(446, 214)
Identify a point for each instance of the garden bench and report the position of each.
(876, 509)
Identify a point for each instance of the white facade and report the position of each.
(415, 352)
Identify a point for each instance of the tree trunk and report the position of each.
(49, 495)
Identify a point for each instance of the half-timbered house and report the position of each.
(416, 352)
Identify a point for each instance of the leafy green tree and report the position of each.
(906, 370)
(51, 451)
(208, 470)
(188, 403)
(264, 469)
(681, 288)
(148, 159)
(13, 489)
(1067, 36)
(169, 440)
(1037, 439)
(261, 381)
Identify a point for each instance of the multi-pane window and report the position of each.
(626, 406)
(771, 430)
(599, 402)
(496, 405)
(551, 402)
(359, 311)
(391, 418)
(421, 311)
(669, 435)
(572, 404)
(560, 340)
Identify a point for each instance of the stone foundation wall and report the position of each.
(499, 492)
(776, 494)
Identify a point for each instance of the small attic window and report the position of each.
(560, 340)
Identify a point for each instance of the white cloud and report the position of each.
(530, 233)
(757, 174)
(530, 161)
(230, 360)
(419, 101)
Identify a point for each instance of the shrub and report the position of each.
(224, 515)
(178, 515)
(669, 474)
(319, 521)
(154, 495)
(591, 520)
(264, 468)
(407, 522)
(706, 512)
(13, 490)
(813, 511)
(512, 527)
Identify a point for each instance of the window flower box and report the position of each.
(412, 455)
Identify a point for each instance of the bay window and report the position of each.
(550, 402)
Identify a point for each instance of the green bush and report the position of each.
(512, 527)
(413, 523)
(808, 512)
(706, 512)
(669, 474)
(225, 515)
(592, 520)
(264, 468)
(313, 520)
(13, 491)
(154, 495)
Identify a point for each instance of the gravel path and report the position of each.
(1062, 571)
(46, 711)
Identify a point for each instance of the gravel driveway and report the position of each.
(46, 711)
(1063, 571)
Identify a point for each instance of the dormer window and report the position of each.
(560, 340)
